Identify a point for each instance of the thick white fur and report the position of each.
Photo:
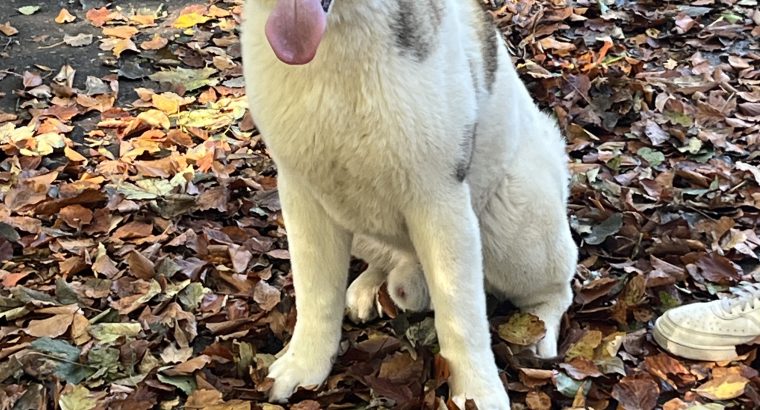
(367, 141)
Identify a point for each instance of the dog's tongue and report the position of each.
(295, 28)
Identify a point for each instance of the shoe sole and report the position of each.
(714, 353)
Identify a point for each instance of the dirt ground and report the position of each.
(38, 46)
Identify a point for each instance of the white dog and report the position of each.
(402, 127)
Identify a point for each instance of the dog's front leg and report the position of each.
(320, 253)
(446, 237)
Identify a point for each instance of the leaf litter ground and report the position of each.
(144, 260)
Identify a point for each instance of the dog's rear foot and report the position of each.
(408, 289)
(361, 297)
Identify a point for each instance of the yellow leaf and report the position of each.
(190, 20)
(65, 17)
(77, 398)
(586, 346)
(169, 103)
(155, 118)
(44, 144)
(727, 387)
(522, 329)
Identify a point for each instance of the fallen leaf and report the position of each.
(51, 327)
(189, 20)
(64, 17)
(124, 32)
(77, 398)
(188, 367)
(109, 332)
(522, 329)
(727, 387)
(7, 29)
(638, 392)
(79, 40)
(28, 10)
(140, 266)
(156, 43)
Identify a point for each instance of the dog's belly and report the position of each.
(367, 216)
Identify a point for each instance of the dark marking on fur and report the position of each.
(468, 149)
(489, 47)
(416, 25)
(436, 9)
(474, 75)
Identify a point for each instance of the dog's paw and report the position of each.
(487, 396)
(290, 372)
(361, 300)
(408, 289)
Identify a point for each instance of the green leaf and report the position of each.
(67, 356)
(653, 157)
(184, 383)
(422, 333)
(693, 147)
(189, 79)
(174, 288)
(679, 118)
(105, 359)
(109, 332)
(8, 232)
(668, 301)
(731, 17)
(28, 10)
(569, 387)
(77, 399)
(65, 293)
(14, 313)
(35, 297)
(604, 230)
(191, 296)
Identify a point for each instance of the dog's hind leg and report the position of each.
(406, 283)
(529, 253)
(407, 287)
(550, 310)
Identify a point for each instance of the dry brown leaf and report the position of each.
(123, 32)
(188, 367)
(140, 266)
(7, 29)
(54, 326)
(156, 43)
(65, 17)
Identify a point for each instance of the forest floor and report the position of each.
(143, 259)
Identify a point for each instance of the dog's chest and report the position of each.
(342, 142)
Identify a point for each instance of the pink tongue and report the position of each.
(295, 28)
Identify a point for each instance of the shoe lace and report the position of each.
(745, 297)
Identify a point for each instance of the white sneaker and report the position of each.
(711, 331)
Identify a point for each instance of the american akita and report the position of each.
(401, 126)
